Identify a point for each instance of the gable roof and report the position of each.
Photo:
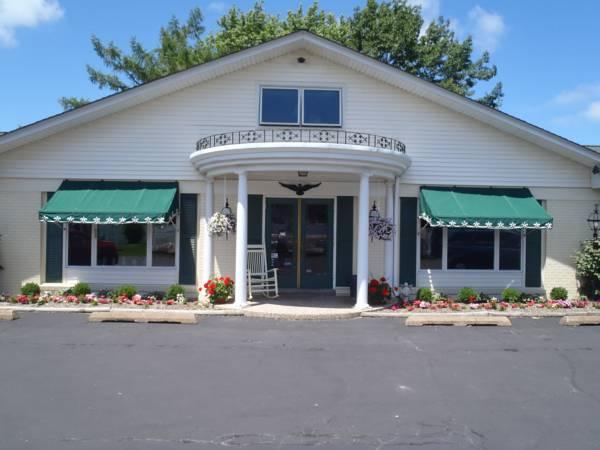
(321, 47)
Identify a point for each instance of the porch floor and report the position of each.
(301, 306)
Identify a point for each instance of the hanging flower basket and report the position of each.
(221, 224)
(381, 228)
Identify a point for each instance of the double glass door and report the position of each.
(299, 241)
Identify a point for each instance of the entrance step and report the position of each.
(457, 320)
(144, 317)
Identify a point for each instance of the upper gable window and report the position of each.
(300, 106)
(280, 106)
(322, 107)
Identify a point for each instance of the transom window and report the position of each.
(301, 106)
(128, 245)
(469, 249)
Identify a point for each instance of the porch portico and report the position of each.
(303, 155)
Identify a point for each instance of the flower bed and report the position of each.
(95, 299)
(539, 306)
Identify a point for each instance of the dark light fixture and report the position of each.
(301, 60)
(374, 213)
(302, 173)
(594, 221)
(226, 211)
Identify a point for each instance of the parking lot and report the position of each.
(256, 383)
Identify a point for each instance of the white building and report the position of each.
(297, 110)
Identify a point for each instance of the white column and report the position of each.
(362, 254)
(389, 245)
(207, 243)
(241, 242)
(396, 240)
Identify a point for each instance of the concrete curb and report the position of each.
(458, 320)
(575, 321)
(93, 309)
(143, 317)
(512, 314)
(8, 314)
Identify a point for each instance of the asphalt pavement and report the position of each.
(256, 383)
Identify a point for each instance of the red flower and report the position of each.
(386, 293)
(374, 282)
(372, 290)
(227, 281)
(382, 279)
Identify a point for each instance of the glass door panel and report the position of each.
(281, 239)
(316, 244)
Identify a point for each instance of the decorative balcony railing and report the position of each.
(316, 135)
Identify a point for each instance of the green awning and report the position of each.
(111, 202)
(496, 208)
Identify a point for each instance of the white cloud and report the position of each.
(430, 9)
(25, 13)
(581, 93)
(487, 28)
(592, 112)
(217, 7)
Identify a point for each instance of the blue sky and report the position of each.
(547, 53)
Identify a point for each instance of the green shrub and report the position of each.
(81, 289)
(173, 290)
(126, 290)
(30, 289)
(425, 294)
(467, 295)
(511, 295)
(559, 293)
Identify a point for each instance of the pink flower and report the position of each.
(136, 298)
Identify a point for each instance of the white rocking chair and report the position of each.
(260, 279)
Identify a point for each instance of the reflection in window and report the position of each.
(431, 246)
(80, 244)
(122, 245)
(163, 245)
(470, 249)
(321, 107)
(510, 249)
(279, 106)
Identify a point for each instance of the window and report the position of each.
(321, 107)
(470, 249)
(301, 106)
(432, 242)
(80, 244)
(510, 250)
(122, 245)
(163, 245)
(134, 245)
(279, 106)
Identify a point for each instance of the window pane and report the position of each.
(279, 106)
(321, 107)
(510, 250)
(470, 249)
(431, 246)
(122, 245)
(80, 244)
(163, 245)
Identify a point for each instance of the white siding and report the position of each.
(154, 140)
(20, 243)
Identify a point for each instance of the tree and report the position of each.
(390, 31)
